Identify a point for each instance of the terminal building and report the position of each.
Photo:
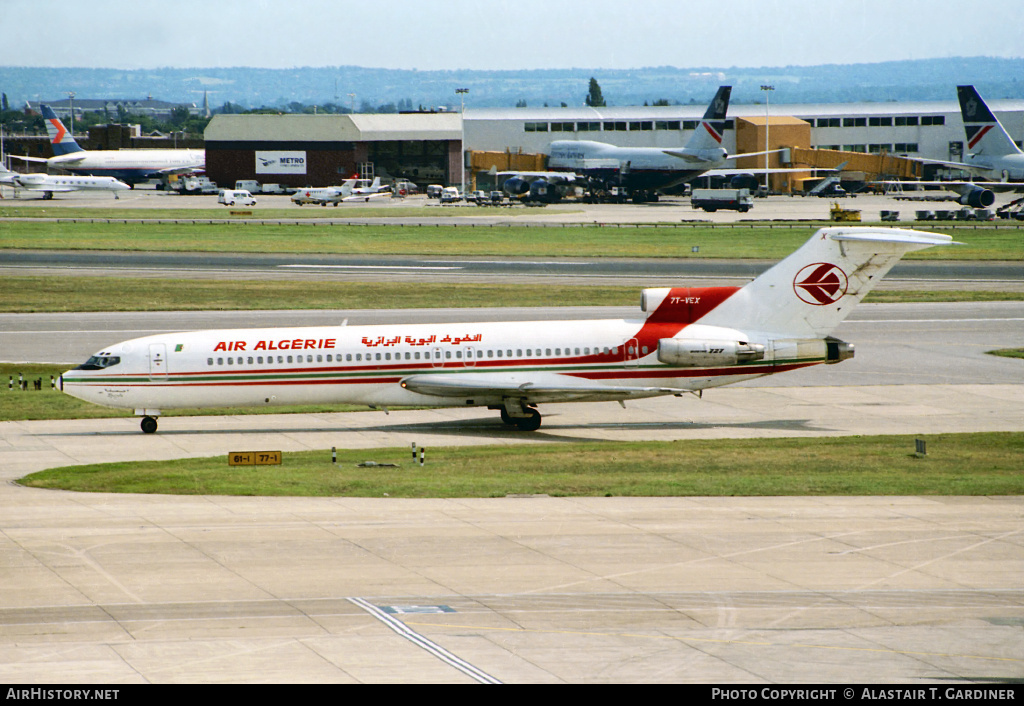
(870, 137)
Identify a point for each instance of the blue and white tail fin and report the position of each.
(812, 291)
(709, 132)
(985, 134)
(61, 139)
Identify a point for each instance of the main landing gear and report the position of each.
(148, 425)
(522, 417)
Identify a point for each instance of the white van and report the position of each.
(240, 197)
(450, 194)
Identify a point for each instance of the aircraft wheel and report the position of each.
(507, 418)
(531, 423)
(148, 425)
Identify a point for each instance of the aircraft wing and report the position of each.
(46, 187)
(762, 170)
(553, 177)
(28, 159)
(193, 169)
(528, 386)
(366, 197)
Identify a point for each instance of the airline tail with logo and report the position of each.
(808, 294)
(709, 133)
(61, 139)
(985, 134)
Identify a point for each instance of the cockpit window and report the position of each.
(99, 362)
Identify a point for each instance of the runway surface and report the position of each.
(108, 589)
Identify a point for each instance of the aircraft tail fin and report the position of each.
(985, 134)
(61, 139)
(709, 132)
(808, 294)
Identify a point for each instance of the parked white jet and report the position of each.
(324, 195)
(365, 190)
(687, 339)
(49, 184)
(129, 165)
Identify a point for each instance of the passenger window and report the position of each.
(220, 361)
(209, 361)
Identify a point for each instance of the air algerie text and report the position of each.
(293, 344)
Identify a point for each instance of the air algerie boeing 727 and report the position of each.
(687, 339)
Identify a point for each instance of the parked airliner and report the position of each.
(687, 339)
(129, 165)
(642, 172)
(992, 155)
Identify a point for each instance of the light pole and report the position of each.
(461, 92)
(767, 100)
(71, 101)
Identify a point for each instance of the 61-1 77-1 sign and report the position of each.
(254, 458)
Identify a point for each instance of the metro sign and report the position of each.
(820, 284)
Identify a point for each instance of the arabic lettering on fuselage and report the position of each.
(371, 342)
(301, 344)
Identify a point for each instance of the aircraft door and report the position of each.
(631, 348)
(470, 356)
(157, 361)
(436, 358)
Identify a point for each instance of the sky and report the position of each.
(502, 34)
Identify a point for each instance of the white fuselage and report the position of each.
(640, 167)
(365, 364)
(46, 182)
(130, 165)
(1009, 167)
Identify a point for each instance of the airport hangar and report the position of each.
(322, 150)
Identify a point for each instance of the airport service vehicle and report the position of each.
(685, 339)
(726, 199)
(193, 185)
(236, 197)
(130, 166)
(450, 194)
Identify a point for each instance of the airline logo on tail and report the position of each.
(63, 141)
(56, 130)
(820, 284)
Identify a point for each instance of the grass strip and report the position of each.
(33, 294)
(448, 240)
(956, 464)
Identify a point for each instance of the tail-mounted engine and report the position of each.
(685, 353)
